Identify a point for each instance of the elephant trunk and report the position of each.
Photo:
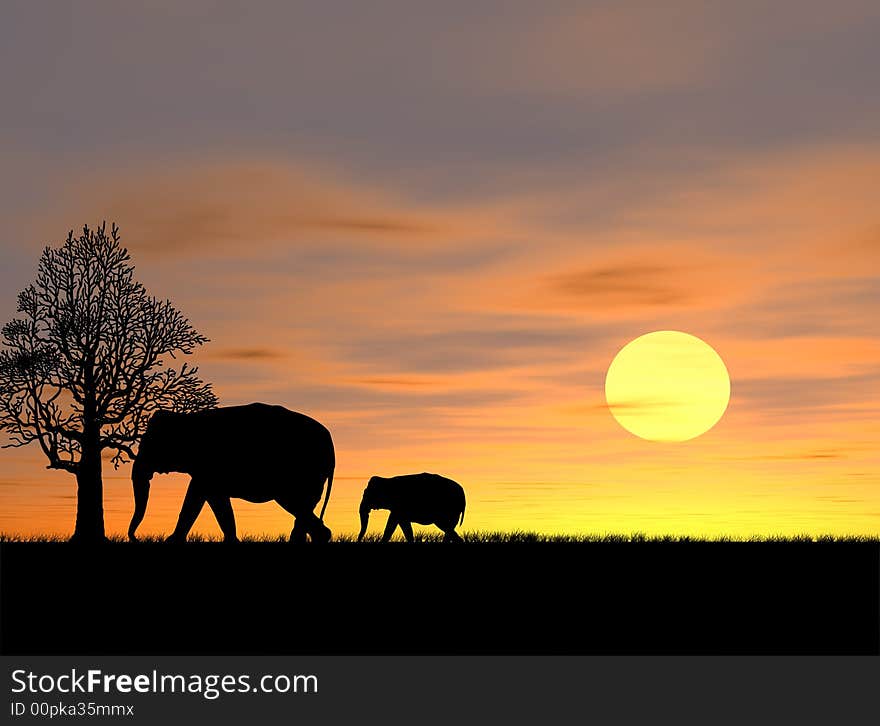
(140, 482)
(365, 520)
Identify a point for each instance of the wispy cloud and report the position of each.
(635, 285)
(245, 354)
(231, 207)
(830, 395)
(394, 382)
(470, 348)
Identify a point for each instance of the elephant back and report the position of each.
(260, 437)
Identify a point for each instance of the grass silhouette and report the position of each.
(514, 592)
(480, 537)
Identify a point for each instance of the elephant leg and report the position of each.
(222, 508)
(305, 523)
(299, 534)
(450, 535)
(390, 527)
(406, 528)
(318, 531)
(189, 512)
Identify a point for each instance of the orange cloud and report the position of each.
(242, 353)
(227, 208)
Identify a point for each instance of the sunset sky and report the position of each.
(431, 226)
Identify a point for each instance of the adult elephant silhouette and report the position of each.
(255, 452)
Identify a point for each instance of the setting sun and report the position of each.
(667, 386)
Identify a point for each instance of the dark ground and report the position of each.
(518, 598)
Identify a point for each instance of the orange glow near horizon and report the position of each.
(436, 238)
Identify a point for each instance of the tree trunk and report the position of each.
(89, 496)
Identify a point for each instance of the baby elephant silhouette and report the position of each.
(421, 498)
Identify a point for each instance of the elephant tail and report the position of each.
(327, 493)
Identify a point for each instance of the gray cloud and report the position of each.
(393, 87)
(471, 349)
(829, 395)
(821, 307)
(371, 403)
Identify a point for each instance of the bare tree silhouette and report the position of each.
(85, 365)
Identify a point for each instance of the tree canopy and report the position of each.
(88, 361)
